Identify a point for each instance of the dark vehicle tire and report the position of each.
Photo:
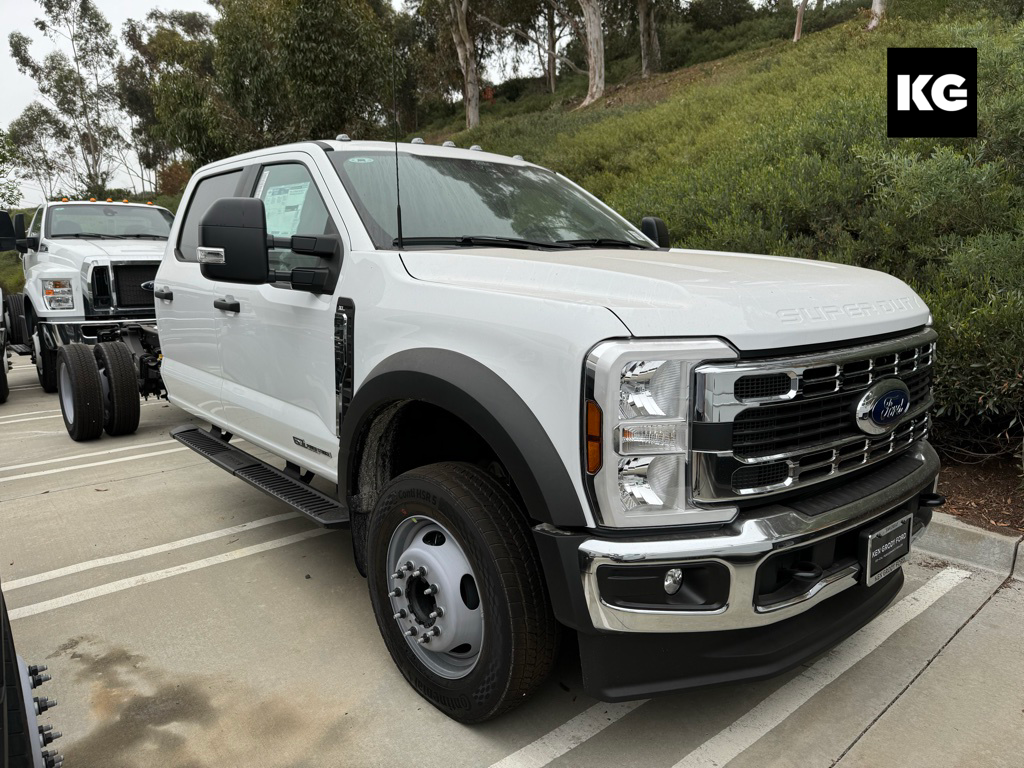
(120, 388)
(17, 744)
(81, 392)
(5, 388)
(451, 535)
(16, 314)
(46, 368)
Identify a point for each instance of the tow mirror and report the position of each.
(656, 230)
(7, 238)
(19, 233)
(233, 241)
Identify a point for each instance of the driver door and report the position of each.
(277, 349)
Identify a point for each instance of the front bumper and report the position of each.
(56, 333)
(739, 550)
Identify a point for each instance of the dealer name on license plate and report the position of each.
(885, 548)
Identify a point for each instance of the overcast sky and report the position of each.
(20, 90)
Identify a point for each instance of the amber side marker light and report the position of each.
(593, 437)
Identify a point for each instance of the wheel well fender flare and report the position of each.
(478, 396)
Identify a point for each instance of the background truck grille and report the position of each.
(128, 280)
(767, 427)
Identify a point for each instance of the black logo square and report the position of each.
(932, 92)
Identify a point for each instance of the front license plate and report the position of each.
(885, 548)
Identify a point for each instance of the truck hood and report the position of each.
(71, 253)
(756, 302)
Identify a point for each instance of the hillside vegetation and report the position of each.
(784, 151)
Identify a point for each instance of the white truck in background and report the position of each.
(536, 417)
(85, 263)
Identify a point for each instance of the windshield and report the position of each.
(108, 220)
(453, 198)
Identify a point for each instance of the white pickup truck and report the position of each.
(535, 416)
(85, 263)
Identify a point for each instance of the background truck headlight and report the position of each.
(642, 391)
(58, 294)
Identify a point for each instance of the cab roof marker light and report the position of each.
(92, 199)
(476, 148)
(110, 199)
(417, 140)
(342, 137)
(517, 157)
(448, 143)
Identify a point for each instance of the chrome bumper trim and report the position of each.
(741, 548)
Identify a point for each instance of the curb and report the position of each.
(951, 539)
(1018, 569)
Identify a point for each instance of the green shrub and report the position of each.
(12, 279)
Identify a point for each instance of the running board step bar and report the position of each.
(20, 349)
(275, 482)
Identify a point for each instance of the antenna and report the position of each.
(394, 106)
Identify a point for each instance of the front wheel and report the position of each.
(81, 392)
(5, 389)
(457, 591)
(46, 366)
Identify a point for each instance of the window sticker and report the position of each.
(360, 160)
(284, 208)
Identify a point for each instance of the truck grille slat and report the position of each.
(128, 280)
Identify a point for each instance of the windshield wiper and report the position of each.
(91, 236)
(605, 242)
(145, 234)
(471, 240)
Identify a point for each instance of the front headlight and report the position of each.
(58, 294)
(637, 431)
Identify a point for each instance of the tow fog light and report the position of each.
(673, 580)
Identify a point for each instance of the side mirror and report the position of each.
(233, 241)
(7, 238)
(19, 233)
(656, 230)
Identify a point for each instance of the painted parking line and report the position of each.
(58, 470)
(166, 573)
(13, 420)
(77, 456)
(731, 741)
(734, 739)
(10, 586)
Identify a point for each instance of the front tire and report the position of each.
(121, 407)
(81, 392)
(458, 540)
(5, 389)
(46, 367)
(16, 315)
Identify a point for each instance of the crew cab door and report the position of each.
(184, 299)
(276, 343)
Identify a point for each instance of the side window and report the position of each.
(294, 207)
(207, 191)
(37, 223)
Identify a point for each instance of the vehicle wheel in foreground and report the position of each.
(81, 392)
(5, 389)
(46, 368)
(457, 591)
(16, 315)
(120, 388)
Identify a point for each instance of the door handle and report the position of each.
(167, 295)
(227, 306)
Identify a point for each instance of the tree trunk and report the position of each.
(799, 20)
(643, 8)
(595, 50)
(818, 5)
(655, 46)
(552, 42)
(466, 48)
(877, 12)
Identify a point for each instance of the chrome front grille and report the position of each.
(766, 427)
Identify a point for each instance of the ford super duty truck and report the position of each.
(85, 263)
(536, 417)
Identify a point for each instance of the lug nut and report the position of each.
(401, 614)
(43, 704)
(398, 575)
(433, 589)
(423, 640)
(434, 632)
(45, 728)
(407, 565)
(38, 680)
(396, 592)
(410, 632)
(35, 669)
(420, 572)
(49, 738)
(437, 613)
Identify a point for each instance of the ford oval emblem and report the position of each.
(883, 406)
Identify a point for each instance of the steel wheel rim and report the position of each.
(67, 402)
(423, 556)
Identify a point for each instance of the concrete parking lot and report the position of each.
(190, 621)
